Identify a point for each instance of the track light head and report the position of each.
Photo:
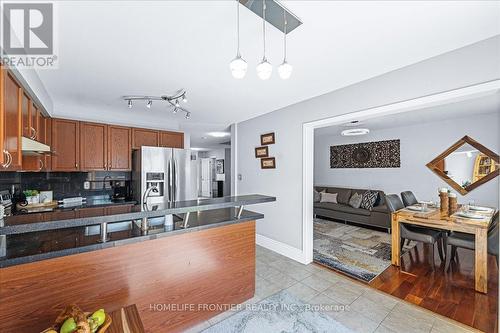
(188, 115)
(177, 103)
(130, 104)
(175, 110)
(184, 99)
(149, 104)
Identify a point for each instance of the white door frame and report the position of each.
(411, 105)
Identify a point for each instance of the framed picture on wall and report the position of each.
(267, 139)
(219, 167)
(261, 152)
(268, 163)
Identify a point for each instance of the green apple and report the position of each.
(69, 326)
(99, 316)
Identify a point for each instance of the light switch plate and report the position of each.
(86, 185)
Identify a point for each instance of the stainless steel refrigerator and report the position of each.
(164, 175)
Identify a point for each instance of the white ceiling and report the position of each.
(488, 104)
(112, 48)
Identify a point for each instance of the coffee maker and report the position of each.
(121, 190)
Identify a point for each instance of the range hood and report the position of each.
(32, 147)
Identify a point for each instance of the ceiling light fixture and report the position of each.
(172, 100)
(264, 69)
(285, 69)
(355, 131)
(238, 66)
(219, 134)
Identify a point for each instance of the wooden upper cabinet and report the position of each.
(119, 148)
(34, 121)
(11, 110)
(26, 119)
(65, 145)
(3, 155)
(171, 139)
(144, 137)
(93, 146)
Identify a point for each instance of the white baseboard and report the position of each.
(281, 248)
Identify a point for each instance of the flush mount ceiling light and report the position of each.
(219, 134)
(172, 100)
(238, 66)
(278, 16)
(355, 131)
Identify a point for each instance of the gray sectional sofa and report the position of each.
(378, 216)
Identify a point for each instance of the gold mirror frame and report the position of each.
(464, 190)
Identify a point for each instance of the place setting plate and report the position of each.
(468, 215)
(480, 209)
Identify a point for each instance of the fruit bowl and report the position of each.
(72, 311)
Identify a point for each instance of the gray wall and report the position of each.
(283, 219)
(416, 151)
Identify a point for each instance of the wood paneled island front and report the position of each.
(177, 278)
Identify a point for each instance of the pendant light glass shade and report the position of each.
(285, 70)
(264, 69)
(238, 66)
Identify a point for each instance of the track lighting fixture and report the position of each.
(172, 100)
(238, 66)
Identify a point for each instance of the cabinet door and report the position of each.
(34, 121)
(171, 139)
(93, 146)
(12, 97)
(47, 165)
(122, 209)
(25, 109)
(65, 145)
(144, 137)
(119, 148)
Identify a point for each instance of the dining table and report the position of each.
(433, 217)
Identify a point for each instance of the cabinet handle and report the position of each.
(34, 133)
(9, 159)
(41, 165)
(6, 157)
(76, 165)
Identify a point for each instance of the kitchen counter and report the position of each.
(41, 245)
(62, 218)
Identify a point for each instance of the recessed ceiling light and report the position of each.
(219, 134)
(355, 131)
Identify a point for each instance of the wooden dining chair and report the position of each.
(418, 234)
(467, 241)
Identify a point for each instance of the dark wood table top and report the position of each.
(126, 320)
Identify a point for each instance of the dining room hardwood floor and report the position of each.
(449, 293)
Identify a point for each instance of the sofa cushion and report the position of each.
(342, 208)
(368, 200)
(328, 197)
(380, 209)
(355, 200)
(343, 194)
(317, 195)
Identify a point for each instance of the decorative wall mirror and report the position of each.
(466, 165)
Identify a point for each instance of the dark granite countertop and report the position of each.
(81, 216)
(41, 245)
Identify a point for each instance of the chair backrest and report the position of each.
(409, 198)
(394, 203)
(493, 236)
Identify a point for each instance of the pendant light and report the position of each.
(264, 69)
(238, 66)
(285, 69)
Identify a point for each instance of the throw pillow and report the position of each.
(317, 195)
(328, 197)
(368, 200)
(355, 200)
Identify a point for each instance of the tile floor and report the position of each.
(358, 306)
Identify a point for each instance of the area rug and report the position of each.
(356, 251)
(280, 312)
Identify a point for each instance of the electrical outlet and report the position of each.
(86, 185)
(240, 177)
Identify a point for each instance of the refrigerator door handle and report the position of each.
(169, 180)
(177, 189)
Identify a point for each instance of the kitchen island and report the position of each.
(177, 275)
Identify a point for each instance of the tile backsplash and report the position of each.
(63, 184)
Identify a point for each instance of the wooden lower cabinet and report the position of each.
(171, 139)
(65, 145)
(214, 266)
(119, 148)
